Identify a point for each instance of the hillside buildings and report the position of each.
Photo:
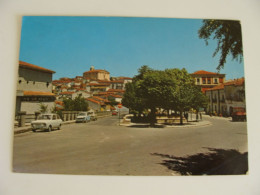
(96, 86)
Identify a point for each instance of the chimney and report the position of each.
(92, 67)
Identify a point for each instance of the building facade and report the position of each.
(207, 80)
(34, 86)
(226, 96)
(94, 74)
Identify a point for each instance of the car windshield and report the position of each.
(82, 114)
(44, 117)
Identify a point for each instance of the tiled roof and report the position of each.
(124, 78)
(92, 71)
(37, 93)
(220, 86)
(236, 82)
(59, 102)
(94, 101)
(100, 99)
(116, 96)
(98, 84)
(116, 90)
(204, 72)
(34, 67)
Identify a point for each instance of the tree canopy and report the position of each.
(228, 35)
(169, 89)
(78, 104)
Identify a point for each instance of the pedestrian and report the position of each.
(200, 116)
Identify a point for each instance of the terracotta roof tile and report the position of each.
(220, 86)
(116, 90)
(204, 72)
(236, 82)
(94, 101)
(34, 67)
(37, 93)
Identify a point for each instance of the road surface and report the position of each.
(103, 147)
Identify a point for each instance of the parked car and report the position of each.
(114, 113)
(46, 122)
(83, 117)
(238, 114)
(92, 115)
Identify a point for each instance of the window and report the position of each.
(54, 117)
(198, 81)
(209, 81)
(216, 81)
(204, 80)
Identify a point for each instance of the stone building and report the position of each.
(207, 80)
(226, 96)
(34, 86)
(95, 74)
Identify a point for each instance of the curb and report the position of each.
(25, 129)
(195, 124)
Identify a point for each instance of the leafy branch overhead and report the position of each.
(229, 38)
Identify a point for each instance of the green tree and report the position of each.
(153, 90)
(228, 35)
(131, 100)
(43, 107)
(78, 104)
(182, 92)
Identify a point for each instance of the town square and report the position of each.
(145, 120)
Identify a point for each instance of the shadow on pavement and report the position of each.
(147, 126)
(214, 162)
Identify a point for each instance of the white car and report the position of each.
(47, 122)
(83, 117)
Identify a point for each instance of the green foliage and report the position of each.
(112, 100)
(78, 104)
(169, 89)
(228, 35)
(131, 100)
(43, 108)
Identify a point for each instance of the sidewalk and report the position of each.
(18, 130)
(217, 117)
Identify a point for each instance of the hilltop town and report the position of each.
(103, 92)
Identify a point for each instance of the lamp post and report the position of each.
(119, 108)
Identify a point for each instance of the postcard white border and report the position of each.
(11, 12)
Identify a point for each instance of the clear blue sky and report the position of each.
(120, 45)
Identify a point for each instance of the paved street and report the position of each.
(104, 148)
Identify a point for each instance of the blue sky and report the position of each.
(120, 45)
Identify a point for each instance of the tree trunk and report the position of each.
(153, 117)
(181, 121)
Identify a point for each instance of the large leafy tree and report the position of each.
(154, 90)
(228, 35)
(131, 100)
(182, 96)
(78, 104)
(169, 89)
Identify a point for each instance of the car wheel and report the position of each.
(59, 127)
(33, 130)
(49, 129)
